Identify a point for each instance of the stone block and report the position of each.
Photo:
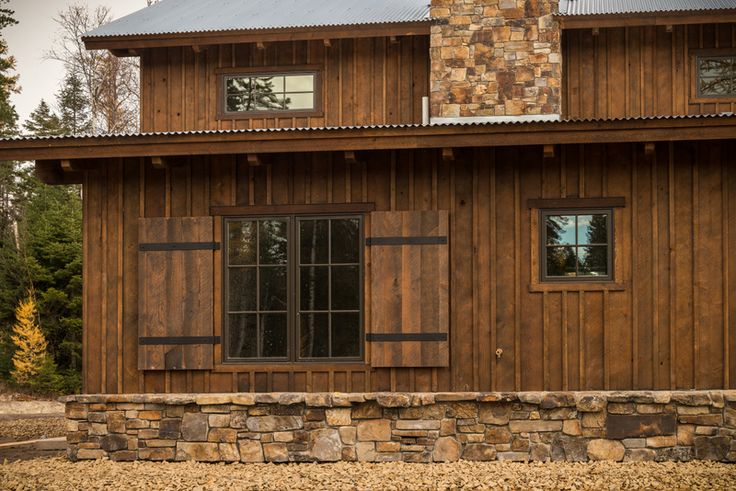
(116, 422)
(194, 427)
(701, 419)
(197, 451)
(620, 408)
(113, 443)
(149, 415)
(75, 410)
(157, 454)
(219, 420)
(374, 430)
(348, 435)
(276, 452)
(462, 410)
(418, 424)
(223, 435)
(124, 456)
(593, 420)
(539, 452)
(634, 442)
(662, 441)
(479, 452)
(318, 400)
(571, 427)
(497, 434)
(606, 450)
(228, 452)
(97, 417)
(448, 427)
(513, 456)
(160, 443)
(338, 417)
(326, 445)
(243, 399)
(620, 426)
(314, 414)
(389, 447)
(283, 436)
(712, 448)
(530, 426)
(366, 451)
(250, 451)
(639, 455)
(685, 434)
(393, 399)
(90, 454)
(446, 449)
(98, 429)
(263, 424)
(494, 414)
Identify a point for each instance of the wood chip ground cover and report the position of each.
(58, 473)
(19, 430)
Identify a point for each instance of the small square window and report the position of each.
(576, 245)
(716, 76)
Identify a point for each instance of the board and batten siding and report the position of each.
(672, 326)
(366, 81)
(637, 71)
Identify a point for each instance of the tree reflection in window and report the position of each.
(717, 76)
(577, 245)
(266, 92)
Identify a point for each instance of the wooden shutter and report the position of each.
(176, 298)
(409, 276)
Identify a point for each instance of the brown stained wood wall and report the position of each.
(365, 81)
(672, 326)
(637, 71)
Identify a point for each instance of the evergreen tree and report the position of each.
(74, 111)
(43, 122)
(8, 80)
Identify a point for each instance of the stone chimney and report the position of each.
(495, 60)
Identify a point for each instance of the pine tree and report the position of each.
(43, 122)
(74, 111)
(8, 80)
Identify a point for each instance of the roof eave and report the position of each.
(142, 41)
(721, 16)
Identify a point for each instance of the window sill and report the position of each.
(280, 366)
(578, 286)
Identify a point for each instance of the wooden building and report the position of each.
(556, 215)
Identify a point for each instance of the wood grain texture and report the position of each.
(638, 71)
(409, 285)
(586, 337)
(356, 75)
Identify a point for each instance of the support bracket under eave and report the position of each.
(58, 172)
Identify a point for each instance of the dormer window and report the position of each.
(272, 93)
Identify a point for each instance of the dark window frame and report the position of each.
(696, 55)
(544, 278)
(293, 290)
(272, 71)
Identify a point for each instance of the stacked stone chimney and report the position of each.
(495, 59)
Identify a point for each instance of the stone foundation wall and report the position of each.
(495, 58)
(380, 427)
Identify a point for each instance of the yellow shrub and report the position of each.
(30, 354)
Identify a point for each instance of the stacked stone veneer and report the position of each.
(626, 426)
(495, 58)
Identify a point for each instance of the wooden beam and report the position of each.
(196, 48)
(725, 16)
(66, 166)
(254, 160)
(448, 154)
(549, 151)
(261, 45)
(668, 28)
(394, 39)
(350, 157)
(328, 43)
(596, 31)
(307, 209)
(158, 163)
(650, 148)
(420, 28)
(377, 138)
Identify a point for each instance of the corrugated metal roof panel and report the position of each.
(603, 7)
(724, 115)
(185, 16)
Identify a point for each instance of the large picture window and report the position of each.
(576, 245)
(294, 288)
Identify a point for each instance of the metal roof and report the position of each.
(190, 16)
(608, 7)
(723, 115)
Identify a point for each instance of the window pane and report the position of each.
(561, 261)
(238, 103)
(300, 83)
(314, 288)
(299, 101)
(273, 332)
(273, 246)
(242, 289)
(243, 338)
(345, 288)
(345, 241)
(314, 335)
(593, 261)
(313, 239)
(237, 85)
(242, 243)
(346, 335)
(560, 230)
(273, 288)
(592, 229)
(716, 76)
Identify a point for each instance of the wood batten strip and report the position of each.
(305, 209)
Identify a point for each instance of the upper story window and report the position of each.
(293, 289)
(577, 245)
(269, 93)
(716, 76)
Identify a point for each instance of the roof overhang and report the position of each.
(67, 150)
(121, 45)
(647, 19)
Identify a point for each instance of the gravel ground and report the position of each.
(18, 430)
(57, 473)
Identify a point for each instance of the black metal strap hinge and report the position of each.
(180, 246)
(405, 337)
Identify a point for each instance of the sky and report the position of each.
(34, 35)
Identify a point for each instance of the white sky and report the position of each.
(34, 35)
